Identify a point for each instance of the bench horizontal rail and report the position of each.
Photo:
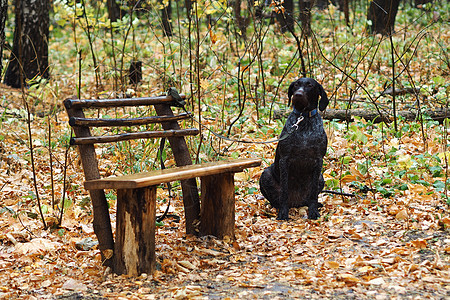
(103, 103)
(96, 122)
(173, 174)
(133, 136)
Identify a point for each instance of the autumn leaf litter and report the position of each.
(367, 246)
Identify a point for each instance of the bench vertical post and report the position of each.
(182, 157)
(102, 222)
(135, 231)
(217, 205)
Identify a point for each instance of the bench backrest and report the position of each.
(78, 121)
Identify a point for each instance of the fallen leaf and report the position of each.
(187, 292)
(377, 281)
(46, 283)
(186, 264)
(348, 178)
(209, 252)
(421, 243)
(74, 285)
(402, 215)
(332, 264)
(37, 246)
(349, 279)
(365, 269)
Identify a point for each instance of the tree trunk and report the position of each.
(410, 115)
(29, 58)
(344, 7)
(114, 11)
(322, 4)
(371, 115)
(188, 5)
(382, 14)
(166, 17)
(3, 17)
(285, 18)
(240, 19)
(305, 7)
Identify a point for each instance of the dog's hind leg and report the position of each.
(269, 187)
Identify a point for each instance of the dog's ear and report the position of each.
(290, 93)
(323, 103)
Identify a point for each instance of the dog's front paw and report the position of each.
(283, 214)
(313, 213)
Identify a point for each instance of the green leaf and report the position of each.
(362, 168)
(252, 190)
(235, 155)
(44, 208)
(439, 186)
(436, 171)
(386, 181)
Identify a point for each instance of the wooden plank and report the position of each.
(132, 136)
(173, 174)
(217, 206)
(134, 251)
(103, 103)
(122, 122)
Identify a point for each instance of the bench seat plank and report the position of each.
(156, 177)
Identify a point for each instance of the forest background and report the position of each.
(235, 63)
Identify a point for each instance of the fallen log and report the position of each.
(387, 117)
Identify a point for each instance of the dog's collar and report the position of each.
(306, 114)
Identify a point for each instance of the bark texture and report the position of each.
(382, 16)
(305, 15)
(134, 251)
(114, 11)
(166, 17)
(29, 57)
(217, 209)
(3, 16)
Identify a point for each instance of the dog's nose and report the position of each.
(300, 92)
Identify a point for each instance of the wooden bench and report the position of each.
(133, 251)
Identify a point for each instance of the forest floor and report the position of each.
(372, 246)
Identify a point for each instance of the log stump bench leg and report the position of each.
(217, 205)
(134, 251)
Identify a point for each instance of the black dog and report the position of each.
(295, 178)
